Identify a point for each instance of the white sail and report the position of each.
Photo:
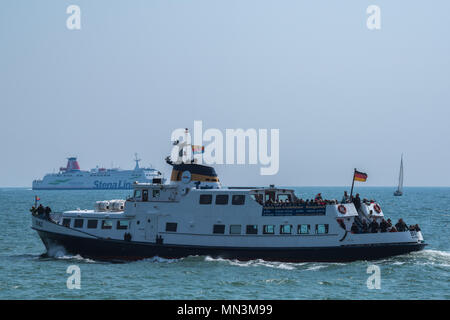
(399, 190)
(400, 178)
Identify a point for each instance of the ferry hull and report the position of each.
(106, 249)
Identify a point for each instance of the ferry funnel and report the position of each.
(72, 164)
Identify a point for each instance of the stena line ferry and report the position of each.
(195, 215)
(72, 177)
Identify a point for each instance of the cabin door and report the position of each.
(151, 229)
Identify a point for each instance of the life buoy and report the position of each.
(377, 208)
(342, 209)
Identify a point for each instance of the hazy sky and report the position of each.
(341, 95)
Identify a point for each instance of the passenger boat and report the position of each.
(195, 215)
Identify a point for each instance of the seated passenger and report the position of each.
(345, 198)
(401, 226)
(374, 226)
(384, 226)
(365, 226)
(354, 228)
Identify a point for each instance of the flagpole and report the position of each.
(353, 183)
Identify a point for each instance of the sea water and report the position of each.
(25, 273)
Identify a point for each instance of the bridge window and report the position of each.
(137, 194)
(269, 229)
(303, 228)
(219, 228)
(222, 199)
(205, 198)
(122, 225)
(92, 224)
(66, 222)
(145, 195)
(252, 229)
(286, 229)
(321, 228)
(155, 193)
(107, 224)
(235, 229)
(238, 199)
(171, 226)
(78, 223)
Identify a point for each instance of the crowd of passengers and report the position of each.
(41, 211)
(317, 201)
(364, 227)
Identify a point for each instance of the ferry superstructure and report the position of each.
(72, 177)
(195, 215)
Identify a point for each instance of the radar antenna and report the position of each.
(137, 161)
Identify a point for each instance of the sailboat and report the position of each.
(399, 190)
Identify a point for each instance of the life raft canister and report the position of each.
(377, 208)
(342, 209)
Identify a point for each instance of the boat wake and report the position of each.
(59, 252)
(302, 266)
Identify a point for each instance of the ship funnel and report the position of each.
(72, 164)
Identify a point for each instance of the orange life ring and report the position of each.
(377, 208)
(342, 209)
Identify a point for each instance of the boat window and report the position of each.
(137, 194)
(238, 199)
(219, 228)
(284, 197)
(145, 195)
(269, 229)
(155, 193)
(171, 226)
(321, 228)
(92, 224)
(222, 199)
(122, 225)
(270, 196)
(286, 229)
(66, 222)
(78, 223)
(303, 228)
(205, 198)
(107, 224)
(252, 229)
(235, 229)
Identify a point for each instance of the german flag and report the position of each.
(359, 176)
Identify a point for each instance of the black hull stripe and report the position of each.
(105, 249)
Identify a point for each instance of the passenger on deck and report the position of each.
(354, 228)
(357, 202)
(318, 198)
(33, 210)
(47, 212)
(401, 225)
(416, 228)
(374, 226)
(365, 226)
(384, 225)
(345, 198)
(40, 210)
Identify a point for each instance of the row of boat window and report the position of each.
(222, 199)
(266, 229)
(93, 223)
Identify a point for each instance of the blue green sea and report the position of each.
(26, 274)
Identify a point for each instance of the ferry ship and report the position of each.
(72, 177)
(195, 215)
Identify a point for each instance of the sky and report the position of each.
(341, 95)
